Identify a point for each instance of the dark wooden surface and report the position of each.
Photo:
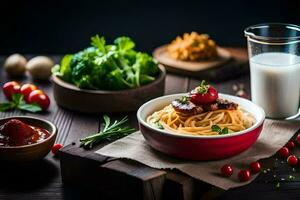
(111, 177)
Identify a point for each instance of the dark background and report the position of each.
(65, 26)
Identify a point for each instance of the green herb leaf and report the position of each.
(216, 128)
(111, 131)
(159, 125)
(225, 131)
(17, 102)
(6, 106)
(124, 43)
(184, 100)
(29, 107)
(17, 98)
(99, 42)
(203, 87)
(107, 122)
(64, 69)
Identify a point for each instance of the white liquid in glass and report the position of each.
(275, 83)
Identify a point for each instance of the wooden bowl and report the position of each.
(103, 101)
(30, 152)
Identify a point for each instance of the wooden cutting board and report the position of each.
(234, 66)
(162, 56)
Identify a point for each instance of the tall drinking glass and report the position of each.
(274, 56)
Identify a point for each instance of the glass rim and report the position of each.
(249, 33)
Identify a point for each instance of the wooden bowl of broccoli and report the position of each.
(107, 78)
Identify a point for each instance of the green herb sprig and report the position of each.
(18, 102)
(216, 128)
(159, 125)
(111, 131)
(184, 100)
(203, 87)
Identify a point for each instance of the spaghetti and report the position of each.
(200, 124)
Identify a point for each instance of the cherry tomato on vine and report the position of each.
(26, 89)
(11, 88)
(40, 98)
(227, 170)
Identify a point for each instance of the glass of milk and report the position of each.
(274, 56)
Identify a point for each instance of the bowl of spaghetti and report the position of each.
(177, 126)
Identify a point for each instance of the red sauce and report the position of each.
(17, 133)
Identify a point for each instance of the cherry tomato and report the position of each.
(255, 167)
(298, 138)
(284, 152)
(204, 98)
(227, 170)
(244, 175)
(292, 160)
(26, 89)
(56, 148)
(37, 96)
(11, 88)
(290, 145)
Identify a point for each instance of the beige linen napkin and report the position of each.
(274, 135)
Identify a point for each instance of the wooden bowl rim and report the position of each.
(52, 134)
(70, 86)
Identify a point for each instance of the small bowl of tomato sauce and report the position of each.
(25, 139)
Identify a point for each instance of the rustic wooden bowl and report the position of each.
(103, 101)
(30, 152)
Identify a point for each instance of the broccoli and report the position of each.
(108, 67)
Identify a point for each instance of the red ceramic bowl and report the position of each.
(199, 147)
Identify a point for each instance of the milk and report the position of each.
(275, 83)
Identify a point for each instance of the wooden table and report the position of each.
(107, 178)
